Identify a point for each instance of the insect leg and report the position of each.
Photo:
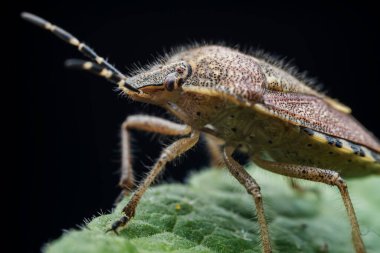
(168, 154)
(324, 176)
(144, 123)
(253, 188)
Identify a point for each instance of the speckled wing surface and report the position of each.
(313, 112)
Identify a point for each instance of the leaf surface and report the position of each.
(213, 213)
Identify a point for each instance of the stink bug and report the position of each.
(240, 102)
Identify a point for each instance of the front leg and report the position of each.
(252, 188)
(319, 175)
(168, 154)
(144, 123)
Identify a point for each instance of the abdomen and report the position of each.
(311, 148)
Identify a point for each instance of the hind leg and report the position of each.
(324, 176)
(250, 184)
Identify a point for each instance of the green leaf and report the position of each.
(213, 213)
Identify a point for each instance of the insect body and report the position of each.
(246, 103)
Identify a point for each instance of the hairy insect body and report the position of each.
(254, 129)
(279, 140)
(247, 103)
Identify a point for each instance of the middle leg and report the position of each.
(252, 188)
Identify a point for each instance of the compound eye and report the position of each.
(180, 69)
(184, 70)
(169, 83)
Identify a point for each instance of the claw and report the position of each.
(112, 230)
(117, 224)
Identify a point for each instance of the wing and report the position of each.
(299, 109)
(286, 79)
(317, 114)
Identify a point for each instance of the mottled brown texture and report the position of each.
(283, 94)
(313, 112)
(225, 70)
(246, 103)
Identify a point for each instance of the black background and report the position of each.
(69, 145)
